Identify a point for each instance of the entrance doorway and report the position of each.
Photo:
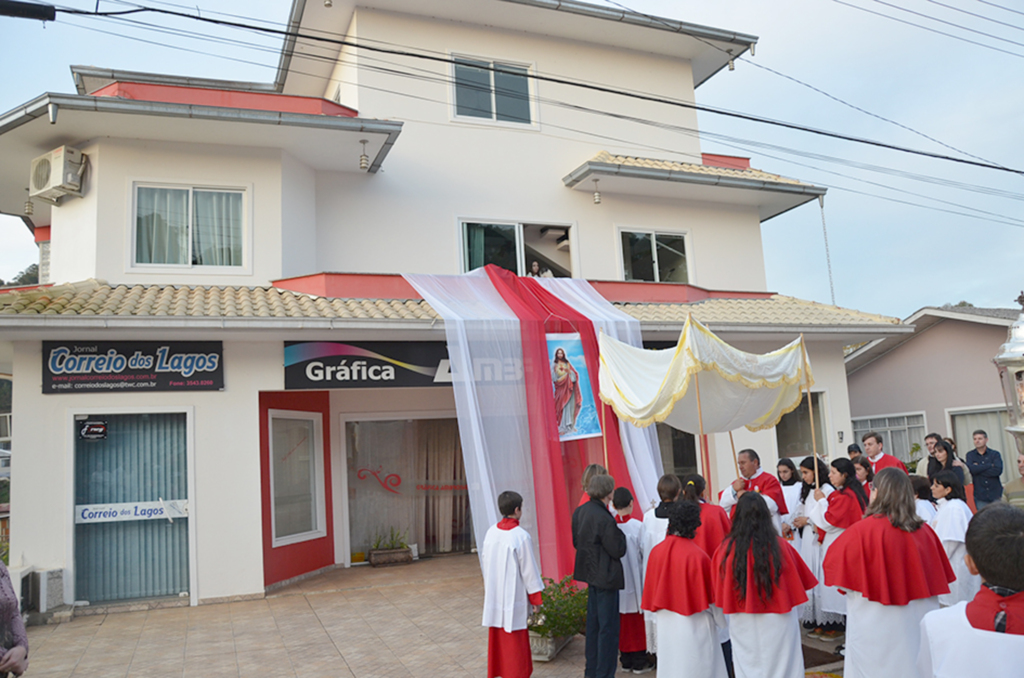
(407, 476)
(131, 486)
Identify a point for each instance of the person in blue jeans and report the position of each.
(600, 545)
(986, 467)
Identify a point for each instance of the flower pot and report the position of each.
(384, 557)
(546, 648)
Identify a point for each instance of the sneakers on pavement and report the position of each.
(646, 667)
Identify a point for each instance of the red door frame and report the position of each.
(292, 560)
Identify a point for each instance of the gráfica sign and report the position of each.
(84, 367)
(365, 364)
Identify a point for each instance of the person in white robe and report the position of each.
(923, 501)
(655, 528)
(950, 524)
(632, 628)
(789, 478)
(807, 544)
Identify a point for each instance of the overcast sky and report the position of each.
(887, 257)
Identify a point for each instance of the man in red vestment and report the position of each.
(879, 459)
(754, 479)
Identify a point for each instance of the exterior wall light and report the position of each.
(364, 160)
(328, 3)
(30, 209)
(597, 193)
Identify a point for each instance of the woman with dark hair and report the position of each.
(865, 474)
(924, 502)
(790, 481)
(893, 568)
(809, 542)
(714, 522)
(834, 514)
(950, 524)
(679, 591)
(945, 460)
(760, 580)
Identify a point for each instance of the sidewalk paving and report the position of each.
(417, 620)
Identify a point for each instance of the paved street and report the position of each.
(418, 620)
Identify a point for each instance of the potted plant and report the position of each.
(389, 548)
(561, 616)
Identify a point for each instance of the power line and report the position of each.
(948, 23)
(975, 14)
(560, 81)
(1007, 9)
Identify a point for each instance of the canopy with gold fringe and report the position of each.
(735, 388)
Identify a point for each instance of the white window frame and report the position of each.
(921, 413)
(654, 233)
(319, 482)
(520, 245)
(531, 86)
(132, 266)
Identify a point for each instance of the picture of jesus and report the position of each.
(567, 393)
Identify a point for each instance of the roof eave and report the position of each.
(80, 73)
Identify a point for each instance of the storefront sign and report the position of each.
(82, 367)
(92, 430)
(372, 364)
(168, 509)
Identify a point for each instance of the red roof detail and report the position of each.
(726, 161)
(199, 96)
(42, 234)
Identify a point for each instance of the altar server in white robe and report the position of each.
(809, 543)
(632, 634)
(923, 500)
(760, 581)
(894, 569)
(789, 478)
(679, 591)
(950, 524)
(983, 637)
(512, 584)
(654, 529)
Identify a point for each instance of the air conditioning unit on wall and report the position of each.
(57, 174)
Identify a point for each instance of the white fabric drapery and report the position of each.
(736, 388)
(639, 445)
(161, 225)
(486, 354)
(216, 228)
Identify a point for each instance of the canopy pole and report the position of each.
(700, 423)
(810, 410)
(735, 459)
(604, 434)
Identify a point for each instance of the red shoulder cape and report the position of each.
(887, 461)
(982, 611)
(843, 509)
(791, 589)
(886, 564)
(714, 528)
(769, 486)
(678, 578)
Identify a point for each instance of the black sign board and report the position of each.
(92, 429)
(85, 367)
(365, 364)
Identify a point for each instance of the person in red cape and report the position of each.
(833, 515)
(632, 635)
(879, 459)
(568, 397)
(679, 591)
(893, 568)
(983, 637)
(655, 529)
(714, 522)
(760, 580)
(512, 586)
(754, 479)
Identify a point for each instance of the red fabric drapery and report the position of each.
(557, 466)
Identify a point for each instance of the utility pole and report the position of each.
(27, 10)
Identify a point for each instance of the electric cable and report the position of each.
(975, 14)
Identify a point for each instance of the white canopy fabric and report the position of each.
(736, 388)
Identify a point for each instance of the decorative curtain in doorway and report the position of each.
(441, 487)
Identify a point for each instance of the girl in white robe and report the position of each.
(923, 502)
(809, 546)
(950, 524)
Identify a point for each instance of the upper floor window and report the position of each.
(525, 249)
(189, 226)
(654, 257)
(492, 91)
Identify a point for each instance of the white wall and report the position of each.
(298, 218)
(227, 507)
(74, 228)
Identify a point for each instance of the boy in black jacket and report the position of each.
(599, 546)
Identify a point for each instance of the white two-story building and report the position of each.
(211, 236)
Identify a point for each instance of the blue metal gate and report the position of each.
(129, 486)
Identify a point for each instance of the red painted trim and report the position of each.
(25, 288)
(726, 161)
(388, 286)
(257, 101)
(351, 286)
(42, 234)
(285, 562)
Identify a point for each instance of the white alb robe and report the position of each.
(883, 641)
(729, 498)
(792, 495)
(813, 554)
(652, 534)
(766, 645)
(832, 601)
(925, 510)
(510, 575)
(688, 644)
(952, 648)
(632, 568)
(950, 525)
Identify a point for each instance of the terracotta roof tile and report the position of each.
(692, 168)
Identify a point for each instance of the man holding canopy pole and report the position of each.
(754, 479)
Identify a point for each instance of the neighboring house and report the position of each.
(211, 210)
(939, 379)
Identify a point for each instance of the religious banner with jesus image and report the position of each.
(575, 411)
